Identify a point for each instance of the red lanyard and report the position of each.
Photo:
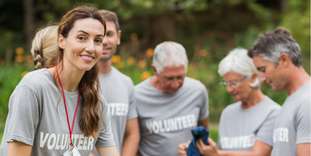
(70, 128)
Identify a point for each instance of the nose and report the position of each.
(229, 89)
(262, 76)
(105, 41)
(176, 83)
(90, 47)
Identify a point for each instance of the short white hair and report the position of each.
(237, 61)
(169, 54)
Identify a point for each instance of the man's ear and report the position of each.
(284, 59)
(61, 41)
(119, 36)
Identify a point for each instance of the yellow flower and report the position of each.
(116, 59)
(145, 75)
(130, 60)
(19, 51)
(141, 64)
(149, 53)
(19, 58)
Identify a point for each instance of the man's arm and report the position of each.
(108, 151)
(259, 149)
(16, 148)
(131, 138)
(303, 149)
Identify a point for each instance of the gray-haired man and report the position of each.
(169, 103)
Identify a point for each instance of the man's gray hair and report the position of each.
(169, 54)
(270, 45)
(237, 61)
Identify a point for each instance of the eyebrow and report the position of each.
(88, 33)
(83, 31)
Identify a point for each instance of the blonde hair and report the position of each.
(44, 48)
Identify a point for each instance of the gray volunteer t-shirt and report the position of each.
(239, 128)
(117, 90)
(166, 119)
(37, 117)
(293, 124)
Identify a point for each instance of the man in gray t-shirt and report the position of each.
(117, 90)
(277, 56)
(37, 118)
(169, 104)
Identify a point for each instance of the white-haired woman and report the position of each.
(246, 126)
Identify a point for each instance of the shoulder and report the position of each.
(270, 104)
(231, 108)
(229, 111)
(194, 84)
(122, 76)
(36, 79)
(142, 85)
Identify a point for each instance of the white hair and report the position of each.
(168, 54)
(237, 61)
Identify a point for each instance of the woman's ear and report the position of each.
(61, 41)
(255, 84)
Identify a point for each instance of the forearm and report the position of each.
(16, 149)
(130, 145)
(237, 153)
(131, 139)
(108, 151)
(304, 149)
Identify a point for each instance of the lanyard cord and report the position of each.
(70, 128)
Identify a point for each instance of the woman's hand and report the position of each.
(182, 149)
(208, 150)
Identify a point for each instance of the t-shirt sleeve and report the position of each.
(204, 108)
(105, 138)
(23, 116)
(132, 106)
(265, 133)
(303, 120)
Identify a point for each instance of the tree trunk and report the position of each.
(28, 22)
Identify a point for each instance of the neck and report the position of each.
(105, 66)
(254, 98)
(297, 78)
(69, 77)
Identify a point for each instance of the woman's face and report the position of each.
(83, 45)
(238, 86)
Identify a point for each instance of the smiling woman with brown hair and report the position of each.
(57, 110)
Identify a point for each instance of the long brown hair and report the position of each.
(91, 110)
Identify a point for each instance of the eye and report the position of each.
(261, 69)
(98, 40)
(109, 34)
(82, 37)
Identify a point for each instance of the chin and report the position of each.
(86, 68)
